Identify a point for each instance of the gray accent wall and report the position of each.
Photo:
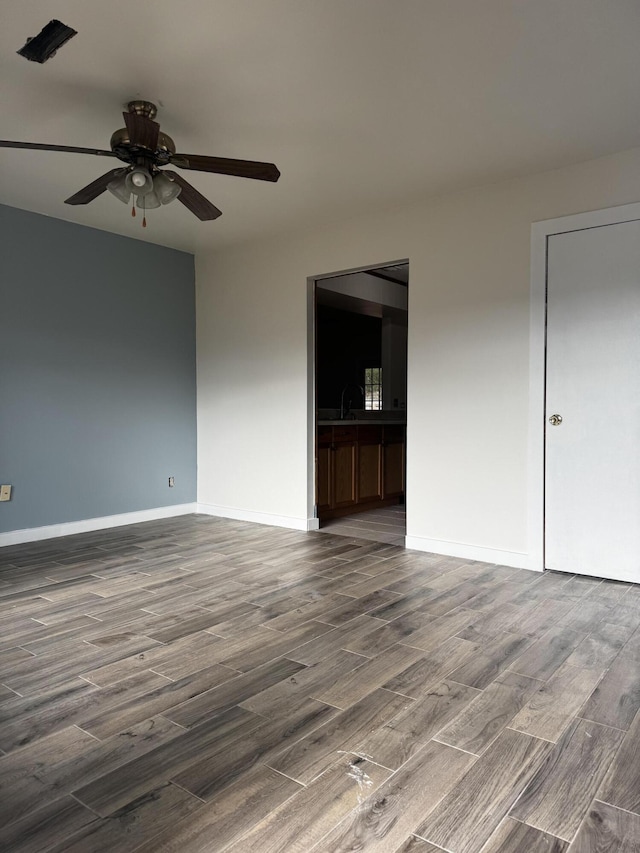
(97, 372)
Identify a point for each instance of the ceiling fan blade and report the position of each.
(94, 189)
(224, 166)
(40, 146)
(193, 200)
(143, 131)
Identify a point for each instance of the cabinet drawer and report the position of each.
(394, 433)
(345, 433)
(325, 435)
(370, 434)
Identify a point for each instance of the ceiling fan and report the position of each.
(147, 150)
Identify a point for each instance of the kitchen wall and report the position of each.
(394, 364)
(97, 380)
(347, 343)
(468, 355)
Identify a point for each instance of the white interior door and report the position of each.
(592, 457)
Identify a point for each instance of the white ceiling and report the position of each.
(360, 103)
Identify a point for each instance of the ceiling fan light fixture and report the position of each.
(166, 189)
(148, 201)
(139, 181)
(119, 188)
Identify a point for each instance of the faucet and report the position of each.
(344, 410)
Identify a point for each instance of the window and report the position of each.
(373, 388)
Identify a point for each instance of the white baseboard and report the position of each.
(313, 524)
(53, 531)
(514, 559)
(290, 521)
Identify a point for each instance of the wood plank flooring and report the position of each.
(387, 524)
(199, 685)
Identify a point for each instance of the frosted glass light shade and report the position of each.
(165, 188)
(148, 201)
(139, 182)
(118, 187)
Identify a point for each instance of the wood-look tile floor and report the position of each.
(202, 685)
(387, 524)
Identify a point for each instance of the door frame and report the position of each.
(313, 522)
(540, 233)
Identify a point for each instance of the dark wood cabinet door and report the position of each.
(344, 474)
(323, 479)
(370, 472)
(393, 455)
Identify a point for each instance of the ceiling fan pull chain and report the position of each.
(144, 213)
(133, 206)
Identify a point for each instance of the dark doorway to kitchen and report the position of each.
(361, 414)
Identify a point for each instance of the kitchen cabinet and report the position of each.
(393, 461)
(358, 467)
(369, 463)
(336, 461)
(324, 455)
(345, 447)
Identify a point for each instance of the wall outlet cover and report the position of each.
(172, 482)
(5, 493)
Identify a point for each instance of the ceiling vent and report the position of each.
(46, 43)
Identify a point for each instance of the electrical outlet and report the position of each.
(5, 493)
(172, 482)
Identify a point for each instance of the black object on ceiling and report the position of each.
(47, 42)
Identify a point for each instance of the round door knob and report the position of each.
(555, 420)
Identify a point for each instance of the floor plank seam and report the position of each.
(617, 808)
(604, 725)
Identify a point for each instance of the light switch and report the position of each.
(5, 493)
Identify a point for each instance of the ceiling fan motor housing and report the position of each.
(128, 153)
(143, 108)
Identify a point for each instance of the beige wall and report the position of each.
(468, 371)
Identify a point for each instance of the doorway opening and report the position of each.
(360, 412)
